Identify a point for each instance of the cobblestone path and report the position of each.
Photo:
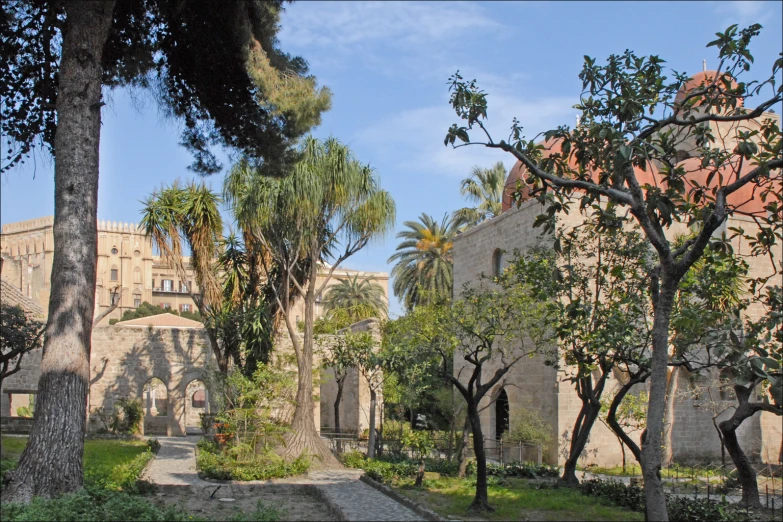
(175, 465)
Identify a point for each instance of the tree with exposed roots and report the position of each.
(219, 71)
(327, 209)
(657, 150)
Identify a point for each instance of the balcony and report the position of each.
(171, 291)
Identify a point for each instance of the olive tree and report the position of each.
(633, 149)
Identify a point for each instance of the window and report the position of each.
(166, 306)
(168, 285)
(501, 414)
(153, 283)
(184, 308)
(115, 274)
(136, 301)
(497, 262)
(137, 275)
(114, 251)
(199, 399)
(137, 253)
(183, 286)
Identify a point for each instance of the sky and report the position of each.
(387, 65)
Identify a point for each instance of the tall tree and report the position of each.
(423, 260)
(360, 299)
(57, 56)
(330, 207)
(629, 150)
(484, 188)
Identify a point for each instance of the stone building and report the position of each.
(486, 249)
(159, 359)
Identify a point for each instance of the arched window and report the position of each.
(156, 403)
(137, 275)
(501, 414)
(497, 262)
(198, 399)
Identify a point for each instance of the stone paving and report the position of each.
(351, 499)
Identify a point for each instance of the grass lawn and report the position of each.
(513, 499)
(101, 457)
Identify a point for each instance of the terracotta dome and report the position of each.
(701, 79)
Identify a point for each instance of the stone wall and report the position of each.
(125, 358)
(530, 383)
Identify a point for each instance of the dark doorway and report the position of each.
(501, 414)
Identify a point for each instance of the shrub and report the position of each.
(681, 509)
(522, 470)
(92, 506)
(211, 463)
(154, 445)
(529, 427)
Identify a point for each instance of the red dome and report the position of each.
(702, 79)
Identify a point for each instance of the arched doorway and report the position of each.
(501, 414)
(196, 403)
(155, 401)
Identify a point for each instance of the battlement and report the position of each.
(48, 222)
(114, 226)
(30, 224)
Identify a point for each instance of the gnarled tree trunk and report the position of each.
(51, 463)
(481, 500)
(745, 472)
(591, 407)
(340, 385)
(303, 438)
(663, 301)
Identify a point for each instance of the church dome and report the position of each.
(702, 79)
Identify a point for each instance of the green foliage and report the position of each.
(529, 426)
(355, 300)
(254, 409)
(145, 309)
(420, 442)
(19, 334)
(423, 260)
(265, 100)
(92, 505)
(128, 416)
(485, 188)
(222, 466)
(681, 509)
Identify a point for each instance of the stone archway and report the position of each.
(155, 403)
(196, 403)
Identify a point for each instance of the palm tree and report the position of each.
(360, 299)
(423, 269)
(484, 187)
(329, 206)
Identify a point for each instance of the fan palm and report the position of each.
(360, 299)
(423, 269)
(484, 188)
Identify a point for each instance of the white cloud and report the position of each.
(335, 34)
(413, 139)
(743, 13)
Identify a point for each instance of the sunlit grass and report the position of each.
(513, 499)
(100, 456)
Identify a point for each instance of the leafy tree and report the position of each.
(593, 290)
(628, 151)
(19, 335)
(338, 356)
(57, 57)
(756, 361)
(360, 299)
(487, 323)
(423, 261)
(485, 189)
(330, 206)
(146, 309)
(529, 427)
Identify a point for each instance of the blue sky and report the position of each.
(387, 64)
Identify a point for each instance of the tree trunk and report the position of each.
(340, 385)
(668, 414)
(481, 500)
(371, 441)
(651, 445)
(611, 415)
(51, 463)
(745, 472)
(303, 437)
(584, 423)
(462, 451)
